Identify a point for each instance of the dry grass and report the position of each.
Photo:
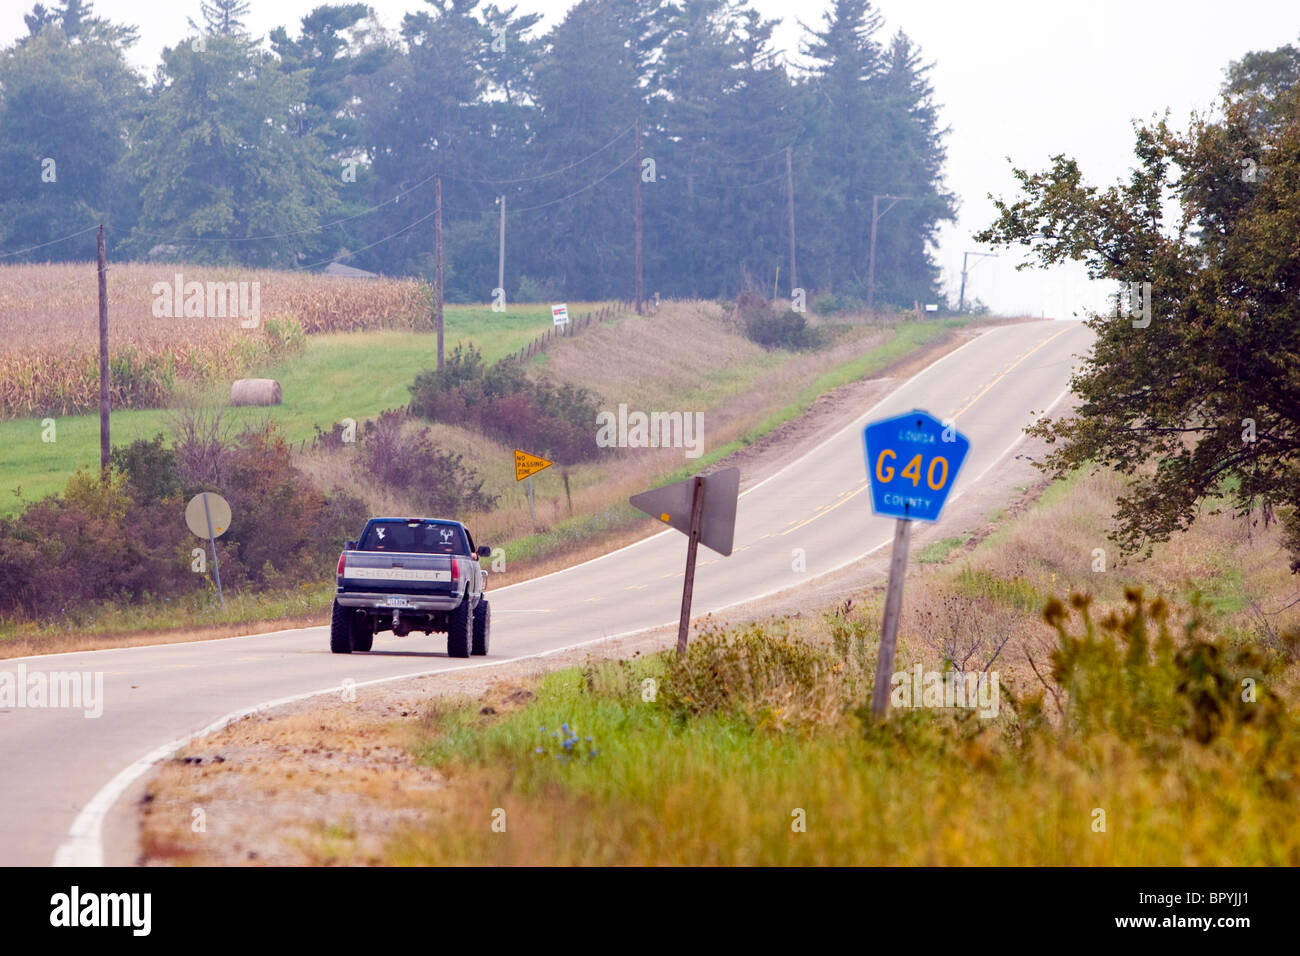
(49, 324)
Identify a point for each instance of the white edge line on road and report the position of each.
(84, 846)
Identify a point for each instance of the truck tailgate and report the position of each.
(397, 572)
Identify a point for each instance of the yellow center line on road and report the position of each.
(829, 508)
(1006, 371)
(984, 391)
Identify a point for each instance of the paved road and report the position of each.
(61, 772)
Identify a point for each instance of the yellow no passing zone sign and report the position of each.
(527, 465)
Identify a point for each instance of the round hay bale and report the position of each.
(255, 391)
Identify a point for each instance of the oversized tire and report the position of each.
(363, 635)
(460, 626)
(340, 630)
(482, 627)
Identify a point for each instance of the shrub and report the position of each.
(537, 290)
(201, 447)
(149, 467)
(750, 674)
(407, 459)
(771, 329)
(826, 303)
(125, 540)
(500, 401)
(1118, 677)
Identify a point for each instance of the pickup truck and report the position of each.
(412, 574)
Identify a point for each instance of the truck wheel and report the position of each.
(340, 630)
(482, 627)
(460, 624)
(363, 635)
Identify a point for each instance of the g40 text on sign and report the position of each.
(912, 464)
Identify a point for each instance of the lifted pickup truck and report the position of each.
(412, 574)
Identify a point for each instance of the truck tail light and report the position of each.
(455, 570)
(343, 556)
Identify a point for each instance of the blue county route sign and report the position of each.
(912, 464)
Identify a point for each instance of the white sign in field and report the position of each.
(560, 314)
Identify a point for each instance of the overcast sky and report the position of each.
(1018, 78)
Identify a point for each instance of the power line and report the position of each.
(290, 235)
(748, 162)
(765, 182)
(590, 185)
(553, 172)
(353, 252)
(19, 252)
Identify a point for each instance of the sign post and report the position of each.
(208, 516)
(526, 466)
(704, 509)
(912, 464)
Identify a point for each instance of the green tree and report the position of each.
(720, 208)
(1200, 397)
(425, 118)
(221, 163)
(338, 51)
(874, 130)
(68, 99)
(223, 17)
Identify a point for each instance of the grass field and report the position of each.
(337, 375)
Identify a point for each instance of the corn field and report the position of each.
(49, 322)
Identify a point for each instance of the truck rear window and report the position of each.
(427, 537)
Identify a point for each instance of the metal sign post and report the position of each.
(212, 540)
(889, 627)
(692, 546)
(704, 509)
(527, 465)
(208, 516)
(912, 464)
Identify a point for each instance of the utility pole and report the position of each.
(876, 215)
(789, 191)
(501, 255)
(103, 355)
(639, 284)
(437, 230)
(961, 298)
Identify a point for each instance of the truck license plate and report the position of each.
(397, 602)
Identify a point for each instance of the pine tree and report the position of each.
(222, 17)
